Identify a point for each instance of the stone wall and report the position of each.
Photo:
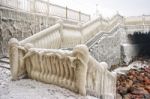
(107, 48)
(19, 25)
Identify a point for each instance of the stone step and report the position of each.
(4, 63)
(4, 60)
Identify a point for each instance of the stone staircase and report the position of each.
(4, 62)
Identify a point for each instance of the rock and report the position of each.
(129, 83)
(118, 96)
(135, 84)
(147, 87)
(146, 80)
(122, 90)
(127, 96)
(147, 96)
(140, 91)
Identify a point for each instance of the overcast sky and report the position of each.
(108, 7)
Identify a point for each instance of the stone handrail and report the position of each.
(90, 22)
(115, 25)
(40, 34)
(82, 33)
(56, 67)
(46, 9)
(76, 70)
(68, 26)
(58, 31)
(137, 20)
(45, 37)
(110, 30)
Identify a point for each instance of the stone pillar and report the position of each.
(60, 21)
(13, 56)
(80, 29)
(123, 35)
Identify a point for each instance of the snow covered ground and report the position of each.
(31, 89)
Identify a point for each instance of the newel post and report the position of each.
(79, 16)
(13, 56)
(80, 29)
(60, 21)
(100, 19)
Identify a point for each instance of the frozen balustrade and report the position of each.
(76, 70)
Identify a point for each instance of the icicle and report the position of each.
(53, 73)
(61, 74)
(77, 71)
(57, 68)
(42, 67)
(45, 67)
(48, 60)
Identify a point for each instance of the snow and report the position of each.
(134, 65)
(31, 89)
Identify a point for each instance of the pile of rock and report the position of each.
(135, 84)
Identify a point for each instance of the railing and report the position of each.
(130, 24)
(93, 40)
(88, 33)
(108, 28)
(138, 28)
(137, 20)
(63, 68)
(46, 8)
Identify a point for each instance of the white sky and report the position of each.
(108, 8)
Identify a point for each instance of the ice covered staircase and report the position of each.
(43, 47)
(129, 25)
(38, 48)
(91, 42)
(107, 45)
(63, 35)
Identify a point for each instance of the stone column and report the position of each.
(60, 21)
(80, 29)
(13, 56)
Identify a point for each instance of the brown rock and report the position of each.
(118, 96)
(127, 96)
(122, 90)
(129, 83)
(140, 91)
(147, 87)
(140, 78)
(142, 74)
(147, 80)
(130, 77)
(135, 84)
